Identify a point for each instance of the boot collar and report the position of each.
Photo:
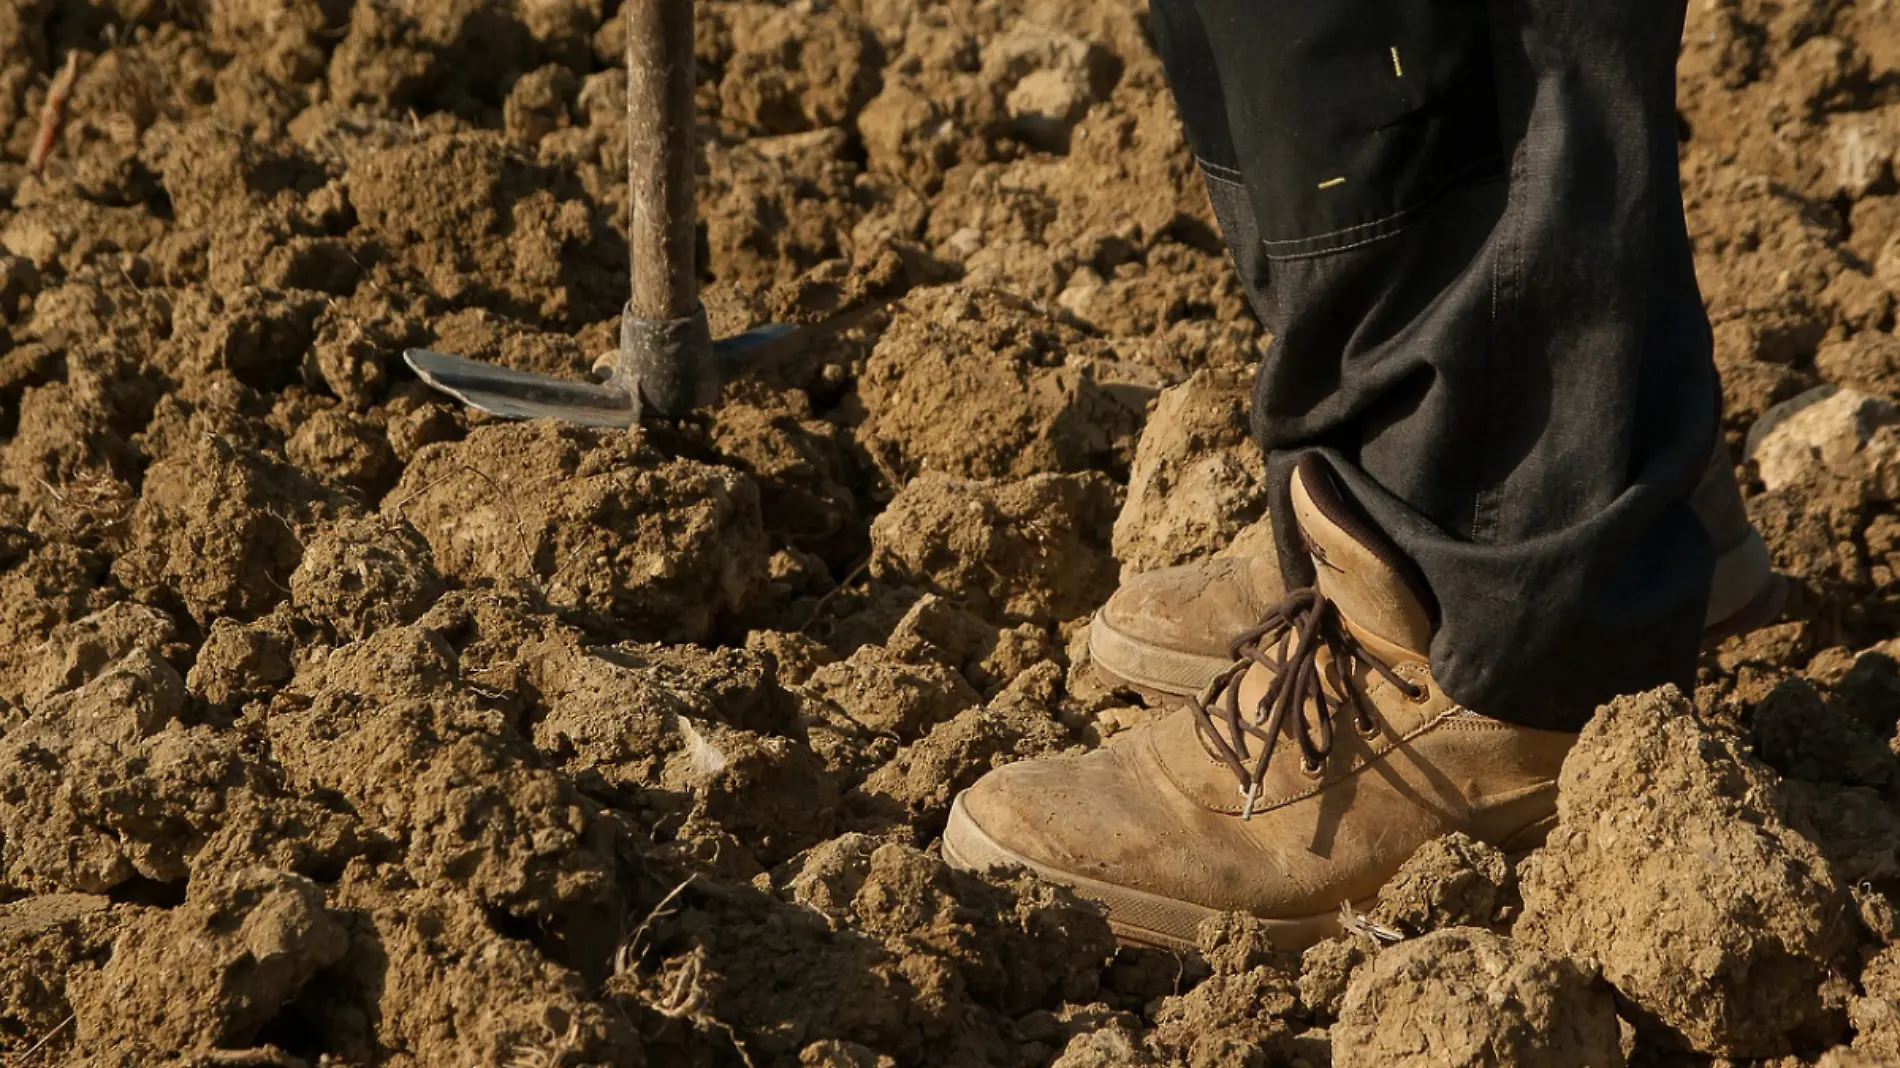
(1380, 595)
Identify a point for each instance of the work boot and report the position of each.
(1166, 633)
(1307, 773)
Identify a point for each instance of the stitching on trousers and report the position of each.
(1330, 250)
(1225, 174)
(1304, 248)
(1487, 503)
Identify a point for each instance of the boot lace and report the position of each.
(1287, 641)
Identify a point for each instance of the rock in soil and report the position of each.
(1826, 433)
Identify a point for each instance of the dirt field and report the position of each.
(338, 726)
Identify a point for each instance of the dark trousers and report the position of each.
(1462, 224)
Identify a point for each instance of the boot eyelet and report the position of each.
(1420, 692)
(1367, 730)
(1313, 771)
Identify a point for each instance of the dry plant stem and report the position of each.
(44, 1039)
(630, 949)
(507, 502)
(1351, 919)
(261, 1057)
(417, 492)
(552, 1055)
(660, 159)
(824, 602)
(53, 113)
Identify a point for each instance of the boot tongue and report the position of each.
(1357, 567)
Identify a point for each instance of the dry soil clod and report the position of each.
(483, 698)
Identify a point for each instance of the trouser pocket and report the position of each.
(1234, 212)
(1348, 118)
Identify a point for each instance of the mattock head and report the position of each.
(667, 365)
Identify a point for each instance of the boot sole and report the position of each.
(1770, 598)
(1159, 674)
(1136, 916)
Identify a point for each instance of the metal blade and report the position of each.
(763, 346)
(514, 394)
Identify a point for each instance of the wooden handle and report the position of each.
(660, 158)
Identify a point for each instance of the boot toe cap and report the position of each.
(1152, 604)
(1042, 814)
(1168, 631)
(1095, 820)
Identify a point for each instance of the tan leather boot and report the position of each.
(1311, 770)
(1167, 633)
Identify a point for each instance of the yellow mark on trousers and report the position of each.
(1331, 182)
(1398, 70)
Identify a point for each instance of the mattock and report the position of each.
(668, 364)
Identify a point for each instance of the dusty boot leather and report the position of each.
(1307, 772)
(1167, 633)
